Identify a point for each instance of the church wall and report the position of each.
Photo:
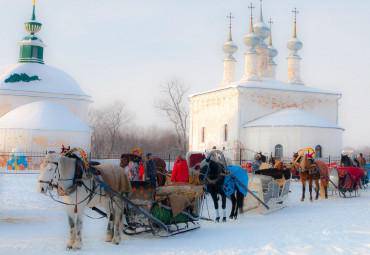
(256, 103)
(212, 111)
(78, 107)
(293, 139)
(42, 140)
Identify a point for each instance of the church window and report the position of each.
(203, 134)
(225, 132)
(34, 52)
(279, 151)
(318, 151)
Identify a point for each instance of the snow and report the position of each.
(31, 223)
(52, 80)
(292, 117)
(43, 115)
(271, 84)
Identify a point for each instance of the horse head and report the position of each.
(49, 174)
(210, 171)
(306, 163)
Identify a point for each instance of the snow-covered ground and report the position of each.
(31, 223)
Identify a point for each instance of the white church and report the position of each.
(41, 107)
(261, 113)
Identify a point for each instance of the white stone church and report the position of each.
(261, 113)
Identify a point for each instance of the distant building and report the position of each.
(261, 113)
(41, 107)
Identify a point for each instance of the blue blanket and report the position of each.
(229, 184)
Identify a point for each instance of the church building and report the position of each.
(261, 113)
(41, 107)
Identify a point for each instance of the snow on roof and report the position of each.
(49, 79)
(43, 115)
(292, 117)
(271, 84)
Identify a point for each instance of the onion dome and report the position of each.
(33, 26)
(294, 44)
(230, 47)
(251, 40)
(260, 28)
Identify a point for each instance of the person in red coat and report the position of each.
(180, 172)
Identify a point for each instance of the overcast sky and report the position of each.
(118, 49)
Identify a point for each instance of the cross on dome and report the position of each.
(251, 7)
(295, 11)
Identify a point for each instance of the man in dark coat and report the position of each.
(149, 169)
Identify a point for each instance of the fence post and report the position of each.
(169, 162)
(329, 159)
(240, 156)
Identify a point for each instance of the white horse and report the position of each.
(57, 170)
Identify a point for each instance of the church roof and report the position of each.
(43, 115)
(33, 77)
(271, 84)
(292, 117)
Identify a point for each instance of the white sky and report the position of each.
(120, 49)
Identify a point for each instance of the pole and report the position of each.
(240, 156)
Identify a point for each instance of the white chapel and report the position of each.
(41, 107)
(261, 113)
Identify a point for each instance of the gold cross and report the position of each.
(230, 17)
(251, 7)
(295, 11)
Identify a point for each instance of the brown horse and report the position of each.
(160, 166)
(310, 171)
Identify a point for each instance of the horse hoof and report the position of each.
(218, 219)
(224, 219)
(77, 246)
(108, 239)
(231, 216)
(302, 200)
(116, 241)
(311, 200)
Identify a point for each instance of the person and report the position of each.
(180, 172)
(361, 160)
(149, 169)
(134, 170)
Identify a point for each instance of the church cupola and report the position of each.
(294, 60)
(229, 61)
(31, 46)
(262, 31)
(272, 53)
(251, 55)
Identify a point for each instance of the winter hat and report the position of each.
(148, 154)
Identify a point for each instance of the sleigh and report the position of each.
(272, 192)
(345, 181)
(170, 210)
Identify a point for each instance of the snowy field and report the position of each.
(31, 223)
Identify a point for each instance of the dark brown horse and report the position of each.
(309, 171)
(160, 166)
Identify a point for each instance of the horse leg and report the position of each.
(310, 188)
(317, 188)
(223, 196)
(215, 202)
(72, 227)
(233, 207)
(117, 221)
(326, 191)
(78, 241)
(109, 232)
(239, 201)
(303, 180)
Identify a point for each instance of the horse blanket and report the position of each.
(229, 183)
(324, 169)
(354, 173)
(115, 177)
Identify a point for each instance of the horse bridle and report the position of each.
(50, 183)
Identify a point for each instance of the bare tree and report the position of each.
(174, 106)
(108, 123)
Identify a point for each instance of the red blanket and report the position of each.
(354, 173)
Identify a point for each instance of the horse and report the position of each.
(61, 172)
(346, 161)
(309, 171)
(211, 172)
(160, 166)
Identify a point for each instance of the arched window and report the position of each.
(225, 132)
(279, 151)
(318, 151)
(203, 134)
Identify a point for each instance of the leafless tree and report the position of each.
(108, 123)
(174, 106)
